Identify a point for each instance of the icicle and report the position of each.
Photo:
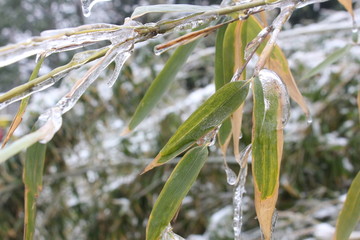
(208, 139)
(50, 123)
(119, 63)
(168, 234)
(272, 83)
(87, 5)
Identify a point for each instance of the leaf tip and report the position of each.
(125, 132)
(152, 165)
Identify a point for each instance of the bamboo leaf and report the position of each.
(174, 191)
(348, 6)
(335, 56)
(165, 8)
(205, 119)
(32, 177)
(225, 129)
(22, 108)
(161, 84)
(350, 214)
(267, 144)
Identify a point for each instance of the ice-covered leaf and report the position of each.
(270, 103)
(335, 56)
(174, 191)
(348, 6)
(18, 117)
(32, 177)
(204, 120)
(350, 214)
(164, 8)
(161, 84)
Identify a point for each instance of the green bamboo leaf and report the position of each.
(32, 177)
(165, 8)
(205, 119)
(161, 84)
(335, 56)
(174, 191)
(225, 129)
(350, 214)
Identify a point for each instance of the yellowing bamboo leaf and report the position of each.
(348, 6)
(204, 120)
(32, 177)
(24, 102)
(350, 214)
(270, 103)
(174, 191)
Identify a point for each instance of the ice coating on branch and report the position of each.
(254, 44)
(168, 234)
(189, 24)
(119, 63)
(87, 5)
(50, 122)
(272, 84)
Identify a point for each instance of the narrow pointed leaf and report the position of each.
(22, 108)
(335, 56)
(174, 191)
(32, 177)
(225, 129)
(207, 117)
(161, 84)
(164, 8)
(267, 144)
(350, 214)
(348, 6)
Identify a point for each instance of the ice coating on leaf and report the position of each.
(208, 139)
(73, 39)
(87, 5)
(36, 88)
(168, 234)
(272, 84)
(119, 63)
(50, 123)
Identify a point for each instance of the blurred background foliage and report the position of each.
(92, 187)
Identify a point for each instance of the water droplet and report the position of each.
(355, 33)
(231, 177)
(309, 119)
(87, 5)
